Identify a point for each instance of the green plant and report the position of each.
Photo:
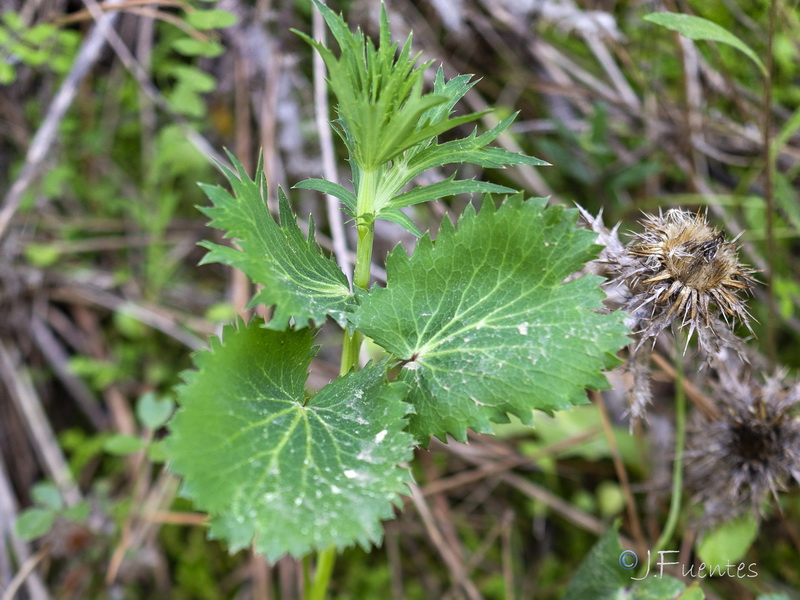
(40, 46)
(475, 325)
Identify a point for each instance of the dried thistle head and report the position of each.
(680, 267)
(752, 450)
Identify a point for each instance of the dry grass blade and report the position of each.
(26, 400)
(8, 515)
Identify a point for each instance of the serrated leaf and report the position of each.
(296, 277)
(698, 28)
(485, 326)
(274, 468)
(379, 93)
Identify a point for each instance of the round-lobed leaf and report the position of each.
(485, 324)
(287, 473)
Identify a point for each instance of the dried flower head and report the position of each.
(683, 268)
(752, 450)
(678, 269)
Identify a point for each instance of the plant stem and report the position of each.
(351, 344)
(365, 207)
(322, 576)
(365, 221)
(677, 468)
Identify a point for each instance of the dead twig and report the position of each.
(44, 440)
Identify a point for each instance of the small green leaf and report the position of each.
(13, 20)
(662, 587)
(698, 28)
(42, 255)
(472, 149)
(276, 469)
(297, 278)
(128, 325)
(600, 574)
(34, 523)
(46, 495)
(39, 34)
(608, 572)
(193, 47)
(395, 215)
(211, 19)
(729, 542)
(78, 512)
(121, 445)
(153, 412)
(7, 73)
(485, 326)
(195, 79)
(693, 592)
(448, 187)
(184, 100)
(157, 452)
(347, 197)
(221, 312)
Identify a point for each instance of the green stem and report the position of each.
(365, 206)
(351, 344)
(365, 220)
(677, 468)
(322, 576)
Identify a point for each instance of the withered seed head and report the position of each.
(681, 267)
(733, 463)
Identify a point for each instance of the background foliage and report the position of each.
(103, 136)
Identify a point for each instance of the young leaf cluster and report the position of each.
(391, 128)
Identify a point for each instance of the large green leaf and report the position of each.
(296, 277)
(485, 324)
(277, 469)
